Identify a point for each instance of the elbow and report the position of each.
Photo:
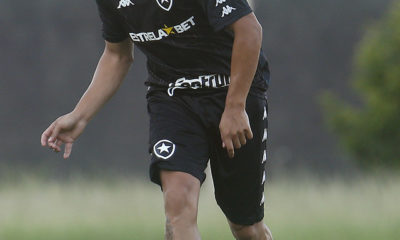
(123, 56)
(121, 53)
(125, 59)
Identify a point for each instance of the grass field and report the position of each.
(305, 208)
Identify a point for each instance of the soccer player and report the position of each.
(206, 100)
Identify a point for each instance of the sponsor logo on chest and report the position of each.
(163, 32)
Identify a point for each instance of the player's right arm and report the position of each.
(110, 72)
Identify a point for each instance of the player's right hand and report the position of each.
(65, 130)
(235, 129)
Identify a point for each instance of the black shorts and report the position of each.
(184, 135)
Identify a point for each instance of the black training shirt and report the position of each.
(184, 40)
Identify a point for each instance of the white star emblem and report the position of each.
(162, 1)
(164, 148)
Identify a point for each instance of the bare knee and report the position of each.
(257, 231)
(181, 192)
(244, 232)
(178, 203)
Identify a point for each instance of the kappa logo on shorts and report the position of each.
(165, 4)
(164, 149)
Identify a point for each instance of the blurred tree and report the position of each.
(371, 133)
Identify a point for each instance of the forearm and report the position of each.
(245, 55)
(109, 74)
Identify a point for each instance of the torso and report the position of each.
(178, 40)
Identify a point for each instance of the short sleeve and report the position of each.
(222, 13)
(113, 24)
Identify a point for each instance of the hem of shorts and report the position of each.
(248, 222)
(155, 176)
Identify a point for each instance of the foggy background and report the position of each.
(49, 51)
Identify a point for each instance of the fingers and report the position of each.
(57, 145)
(231, 142)
(46, 134)
(49, 136)
(228, 144)
(53, 138)
(242, 138)
(249, 133)
(67, 150)
(235, 141)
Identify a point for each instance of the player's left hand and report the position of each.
(235, 129)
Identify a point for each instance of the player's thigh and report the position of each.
(239, 182)
(178, 141)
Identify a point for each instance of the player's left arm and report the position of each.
(234, 126)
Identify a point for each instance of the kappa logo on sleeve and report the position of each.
(218, 2)
(125, 3)
(165, 4)
(164, 149)
(227, 10)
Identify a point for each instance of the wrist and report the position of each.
(80, 116)
(235, 104)
(235, 100)
(236, 97)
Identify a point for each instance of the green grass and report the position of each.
(305, 208)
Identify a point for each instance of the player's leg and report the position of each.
(180, 153)
(257, 231)
(181, 195)
(239, 182)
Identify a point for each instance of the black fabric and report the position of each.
(113, 23)
(184, 135)
(181, 39)
(221, 13)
